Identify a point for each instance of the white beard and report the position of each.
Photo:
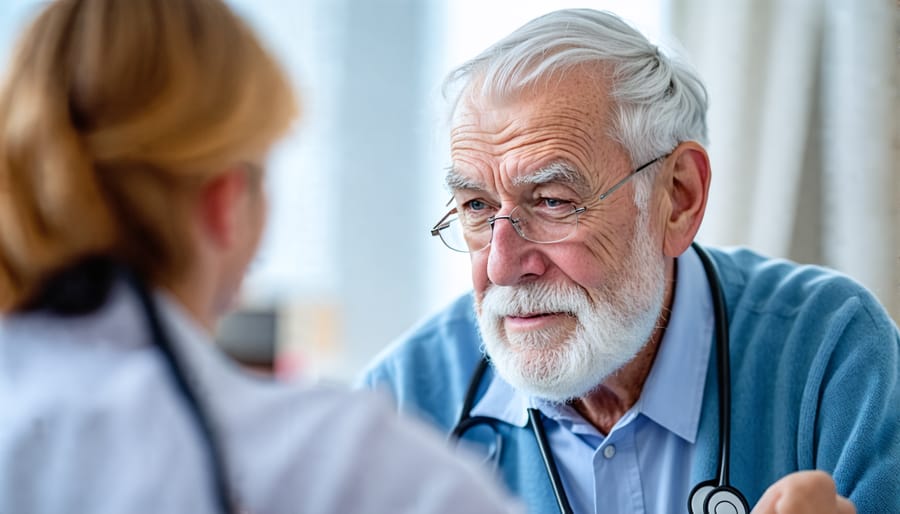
(558, 366)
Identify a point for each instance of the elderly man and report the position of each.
(592, 363)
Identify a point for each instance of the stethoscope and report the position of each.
(716, 496)
(226, 503)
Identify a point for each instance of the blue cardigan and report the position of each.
(815, 362)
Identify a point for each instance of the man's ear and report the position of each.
(688, 188)
(219, 207)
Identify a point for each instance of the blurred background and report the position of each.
(804, 147)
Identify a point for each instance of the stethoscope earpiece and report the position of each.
(709, 498)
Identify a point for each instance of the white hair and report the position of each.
(659, 100)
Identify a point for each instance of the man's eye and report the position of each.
(554, 208)
(475, 205)
(475, 212)
(555, 204)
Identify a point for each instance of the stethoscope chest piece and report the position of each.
(709, 498)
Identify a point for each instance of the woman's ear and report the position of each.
(219, 207)
(688, 188)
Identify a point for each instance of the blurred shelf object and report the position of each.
(295, 338)
(249, 336)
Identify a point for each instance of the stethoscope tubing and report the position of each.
(559, 491)
(465, 422)
(723, 366)
(195, 407)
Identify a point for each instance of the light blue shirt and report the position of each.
(644, 463)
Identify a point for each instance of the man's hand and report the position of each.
(801, 492)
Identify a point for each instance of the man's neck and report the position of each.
(605, 405)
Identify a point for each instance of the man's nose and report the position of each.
(512, 259)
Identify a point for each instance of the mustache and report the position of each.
(533, 299)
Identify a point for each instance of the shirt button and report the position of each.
(610, 451)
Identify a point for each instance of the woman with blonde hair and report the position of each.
(133, 135)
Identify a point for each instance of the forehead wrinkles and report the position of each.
(516, 140)
(554, 172)
(497, 131)
(567, 132)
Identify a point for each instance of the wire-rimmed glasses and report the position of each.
(472, 229)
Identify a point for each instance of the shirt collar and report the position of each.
(673, 393)
(501, 401)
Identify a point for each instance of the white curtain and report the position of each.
(803, 129)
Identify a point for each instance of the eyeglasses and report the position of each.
(470, 227)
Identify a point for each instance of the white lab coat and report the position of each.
(91, 422)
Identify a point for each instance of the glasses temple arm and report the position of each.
(631, 175)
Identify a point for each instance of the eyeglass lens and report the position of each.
(468, 232)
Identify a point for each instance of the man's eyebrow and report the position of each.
(456, 181)
(557, 172)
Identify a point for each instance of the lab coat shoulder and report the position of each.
(88, 421)
(333, 450)
(322, 448)
(91, 422)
